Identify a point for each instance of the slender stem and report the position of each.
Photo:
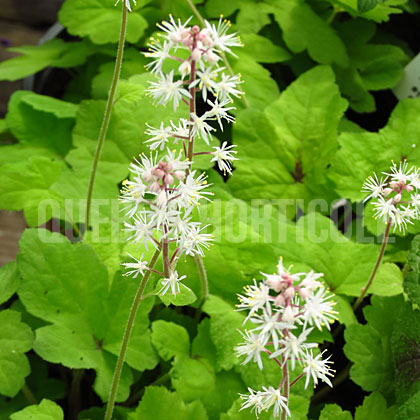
(190, 153)
(297, 379)
(286, 389)
(30, 397)
(375, 269)
(74, 397)
(406, 269)
(126, 338)
(108, 110)
(203, 277)
(166, 264)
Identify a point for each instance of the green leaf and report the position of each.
(374, 408)
(185, 297)
(53, 53)
(100, 21)
(366, 5)
(410, 409)
(334, 412)
(412, 279)
(300, 23)
(302, 123)
(202, 344)
(67, 285)
(24, 185)
(263, 50)
(9, 281)
(224, 323)
(33, 122)
(170, 339)
(45, 410)
(361, 154)
(16, 339)
(158, 402)
(193, 379)
(369, 346)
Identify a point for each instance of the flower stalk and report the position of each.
(108, 111)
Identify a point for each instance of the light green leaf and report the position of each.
(24, 185)
(53, 53)
(224, 322)
(45, 410)
(67, 285)
(100, 21)
(16, 339)
(410, 409)
(304, 29)
(158, 402)
(374, 408)
(31, 120)
(334, 412)
(170, 339)
(9, 281)
(263, 50)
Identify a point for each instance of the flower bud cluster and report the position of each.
(163, 190)
(396, 195)
(284, 308)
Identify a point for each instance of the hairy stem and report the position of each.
(202, 273)
(108, 111)
(377, 265)
(126, 338)
(166, 263)
(286, 389)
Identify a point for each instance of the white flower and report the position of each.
(318, 309)
(317, 369)
(127, 4)
(401, 174)
(253, 399)
(270, 325)
(166, 89)
(160, 136)
(224, 156)
(253, 347)
(226, 87)
(219, 111)
(142, 230)
(200, 127)
(310, 282)
(195, 242)
(172, 282)
(293, 348)
(159, 52)
(221, 39)
(271, 397)
(182, 129)
(176, 32)
(384, 208)
(206, 80)
(191, 190)
(132, 193)
(256, 297)
(374, 186)
(138, 267)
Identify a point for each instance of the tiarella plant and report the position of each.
(284, 308)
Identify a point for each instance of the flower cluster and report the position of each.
(395, 194)
(163, 190)
(284, 308)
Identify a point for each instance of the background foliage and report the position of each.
(317, 120)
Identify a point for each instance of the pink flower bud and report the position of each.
(148, 177)
(394, 185)
(185, 68)
(409, 188)
(288, 315)
(168, 179)
(289, 293)
(304, 293)
(212, 57)
(195, 29)
(158, 173)
(179, 175)
(196, 54)
(204, 37)
(275, 283)
(388, 191)
(279, 301)
(397, 198)
(155, 187)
